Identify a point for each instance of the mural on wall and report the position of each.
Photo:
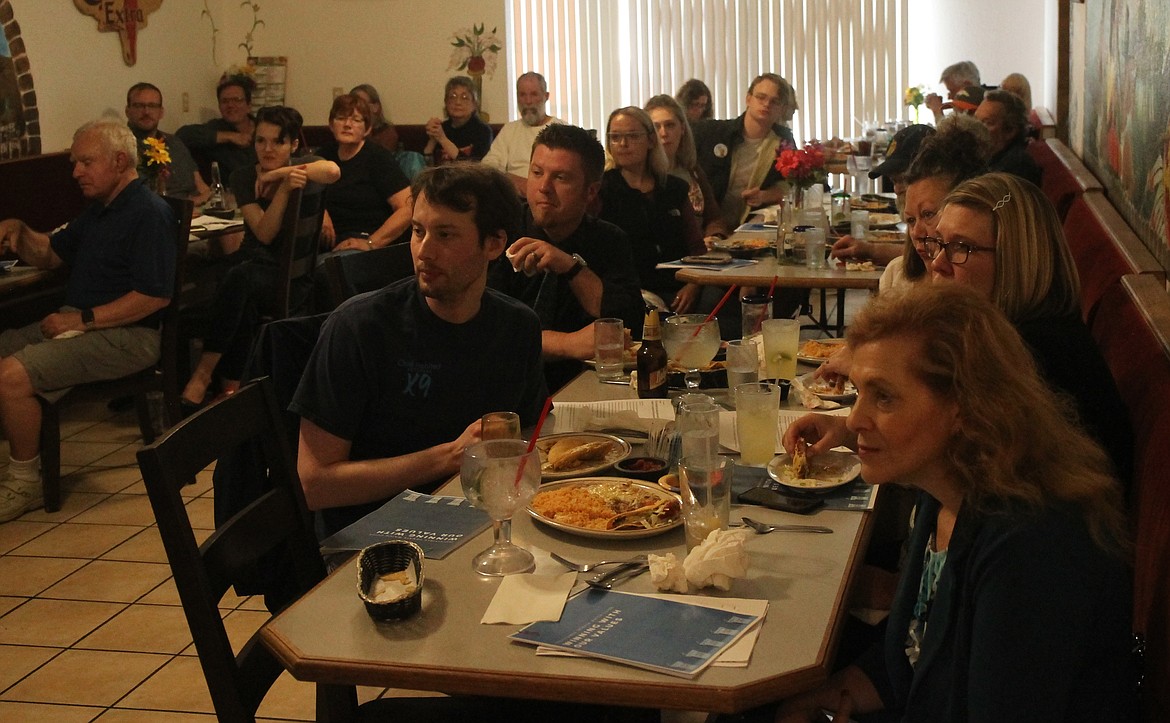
(1127, 117)
(475, 51)
(124, 17)
(19, 123)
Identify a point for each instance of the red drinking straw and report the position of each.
(532, 442)
(730, 290)
(771, 289)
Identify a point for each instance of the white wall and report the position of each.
(999, 36)
(400, 46)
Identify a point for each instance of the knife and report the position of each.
(607, 580)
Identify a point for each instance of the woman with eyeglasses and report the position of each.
(678, 142)
(999, 235)
(653, 207)
(369, 207)
(1014, 601)
(463, 136)
(695, 98)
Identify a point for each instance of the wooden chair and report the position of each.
(299, 230)
(1104, 249)
(1132, 328)
(352, 274)
(162, 377)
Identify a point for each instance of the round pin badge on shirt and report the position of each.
(720, 150)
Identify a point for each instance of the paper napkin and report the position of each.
(523, 599)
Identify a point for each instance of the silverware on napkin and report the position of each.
(607, 580)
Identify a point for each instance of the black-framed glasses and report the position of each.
(955, 251)
(616, 138)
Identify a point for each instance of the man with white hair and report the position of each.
(957, 77)
(121, 256)
(512, 148)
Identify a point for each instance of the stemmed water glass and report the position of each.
(499, 476)
(691, 342)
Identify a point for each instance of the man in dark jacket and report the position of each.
(1006, 119)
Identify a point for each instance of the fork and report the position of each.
(586, 567)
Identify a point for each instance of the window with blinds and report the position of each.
(847, 59)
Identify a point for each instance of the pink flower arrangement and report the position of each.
(802, 166)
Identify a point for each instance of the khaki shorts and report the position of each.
(55, 365)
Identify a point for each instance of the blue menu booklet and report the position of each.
(436, 524)
(670, 637)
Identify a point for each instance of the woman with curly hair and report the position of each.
(695, 98)
(1014, 600)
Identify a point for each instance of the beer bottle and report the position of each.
(652, 360)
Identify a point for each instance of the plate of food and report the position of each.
(746, 246)
(871, 202)
(606, 507)
(841, 390)
(886, 235)
(574, 454)
(815, 474)
(884, 220)
(816, 351)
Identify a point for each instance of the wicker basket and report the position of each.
(387, 557)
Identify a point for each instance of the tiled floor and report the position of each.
(91, 628)
(90, 623)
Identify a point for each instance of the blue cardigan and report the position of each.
(1031, 621)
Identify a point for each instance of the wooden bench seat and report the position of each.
(1132, 328)
(1104, 249)
(1065, 176)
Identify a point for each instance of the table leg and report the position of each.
(336, 703)
(840, 313)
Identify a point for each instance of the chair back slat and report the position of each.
(351, 274)
(278, 519)
(297, 251)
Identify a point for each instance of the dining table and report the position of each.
(328, 638)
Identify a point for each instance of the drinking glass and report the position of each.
(753, 311)
(697, 424)
(705, 486)
(499, 476)
(691, 342)
(781, 342)
(499, 425)
(756, 421)
(814, 248)
(609, 347)
(743, 362)
(859, 223)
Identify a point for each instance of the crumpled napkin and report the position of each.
(523, 599)
(810, 400)
(666, 572)
(717, 560)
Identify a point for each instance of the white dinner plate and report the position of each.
(619, 450)
(629, 359)
(826, 471)
(646, 488)
(824, 390)
(884, 220)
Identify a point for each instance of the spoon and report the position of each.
(587, 566)
(764, 528)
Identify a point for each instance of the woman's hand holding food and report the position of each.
(822, 432)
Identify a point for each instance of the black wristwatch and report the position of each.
(87, 318)
(578, 264)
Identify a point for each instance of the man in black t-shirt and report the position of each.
(399, 378)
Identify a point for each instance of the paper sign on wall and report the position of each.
(124, 17)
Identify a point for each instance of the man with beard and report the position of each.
(397, 383)
(571, 268)
(512, 148)
(144, 110)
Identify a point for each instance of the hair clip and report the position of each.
(1002, 202)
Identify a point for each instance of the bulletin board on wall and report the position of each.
(271, 79)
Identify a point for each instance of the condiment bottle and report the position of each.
(652, 360)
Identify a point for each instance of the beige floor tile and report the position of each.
(241, 624)
(30, 575)
(142, 629)
(146, 546)
(72, 504)
(58, 623)
(164, 594)
(117, 715)
(86, 453)
(36, 713)
(202, 485)
(119, 510)
(86, 677)
(17, 532)
(137, 488)
(108, 431)
(8, 604)
(17, 661)
(103, 479)
(125, 457)
(201, 512)
(254, 602)
(178, 686)
(110, 580)
(74, 540)
(289, 698)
